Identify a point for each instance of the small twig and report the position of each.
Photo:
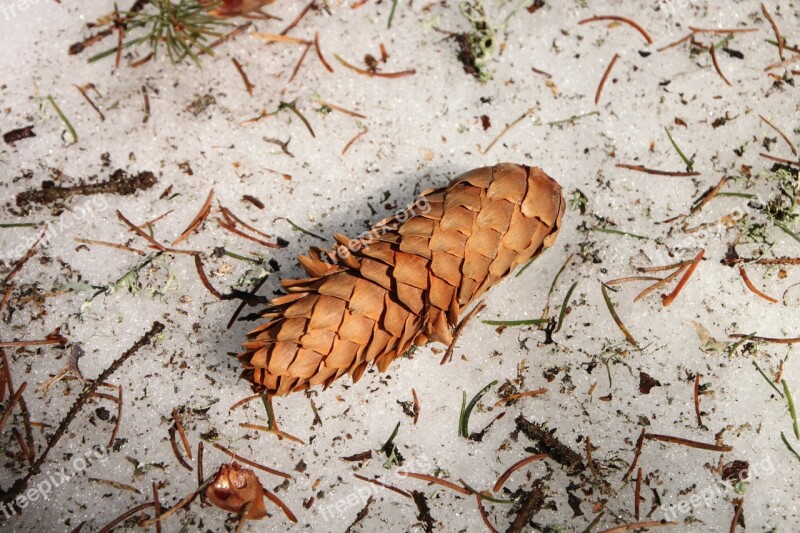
(117, 424)
(111, 245)
(11, 403)
(604, 79)
(274, 431)
(628, 21)
(416, 405)
(21, 484)
(722, 30)
(641, 168)
(124, 516)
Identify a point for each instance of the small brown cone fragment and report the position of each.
(404, 282)
(234, 487)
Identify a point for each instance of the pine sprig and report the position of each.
(182, 27)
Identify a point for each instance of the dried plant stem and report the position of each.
(604, 79)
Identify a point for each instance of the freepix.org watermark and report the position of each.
(421, 206)
(707, 496)
(360, 496)
(14, 8)
(53, 479)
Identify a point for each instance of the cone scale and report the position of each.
(404, 283)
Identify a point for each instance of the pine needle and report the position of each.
(466, 409)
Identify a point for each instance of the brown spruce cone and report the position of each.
(406, 281)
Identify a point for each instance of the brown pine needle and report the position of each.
(11, 403)
(111, 245)
(780, 160)
(627, 21)
(722, 30)
(114, 484)
(642, 168)
(482, 511)
(676, 43)
(298, 18)
(516, 466)
(689, 443)
(39, 342)
(279, 433)
(663, 268)
(276, 38)
(22, 260)
(201, 215)
(438, 481)
(247, 85)
(671, 298)
(354, 139)
(716, 65)
(85, 94)
(244, 401)
(277, 501)
(774, 340)
(512, 397)
(508, 128)
(629, 279)
(181, 433)
(384, 485)
(604, 79)
(638, 525)
(664, 281)
(117, 424)
(180, 505)
(300, 63)
(371, 74)
(775, 29)
(636, 454)
(319, 54)
(779, 132)
(638, 494)
(784, 63)
(737, 511)
(341, 109)
(696, 402)
(234, 230)
(448, 353)
(753, 288)
(174, 444)
(233, 220)
(416, 405)
(160, 247)
(248, 462)
(198, 263)
(151, 223)
(4, 301)
(616, 317)
(124, 516)
(228, 36)
(156, 508)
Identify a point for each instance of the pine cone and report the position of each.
(405, 282)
